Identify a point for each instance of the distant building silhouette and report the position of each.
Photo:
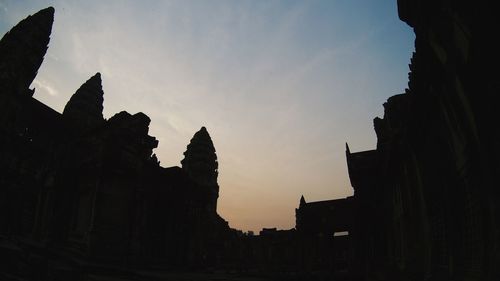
(322, 227)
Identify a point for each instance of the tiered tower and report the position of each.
(84, 109)
(200, 163)
(22, 50)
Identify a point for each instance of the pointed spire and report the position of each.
(85, 106)
(347, 150)
(200, 160)
(302, 201)
(22, 50)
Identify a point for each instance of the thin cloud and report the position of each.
(44, 87)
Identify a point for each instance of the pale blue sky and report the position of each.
(280, 85)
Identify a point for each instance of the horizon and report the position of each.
(262, 68)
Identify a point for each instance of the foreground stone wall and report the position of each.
(437, 153)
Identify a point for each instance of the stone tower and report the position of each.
(200, 163)
(84, 109)
(22, 50)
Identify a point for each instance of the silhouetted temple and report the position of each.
(83, 198)
(427, 198)
(425, 204)
(79, 188)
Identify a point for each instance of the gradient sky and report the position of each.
(280, 85)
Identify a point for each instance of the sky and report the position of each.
(281, 86)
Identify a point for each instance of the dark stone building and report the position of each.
(82, 191)
(319, 247)
(324, 230)
(425, 204)
(324, 218)
(427, 198)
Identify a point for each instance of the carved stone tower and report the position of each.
(22, 50)
(200, 163)
(84, 109)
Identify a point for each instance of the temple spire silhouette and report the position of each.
(85, 106)
(22, 50)
(200, 160)
(200, 163)
(302, 201)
